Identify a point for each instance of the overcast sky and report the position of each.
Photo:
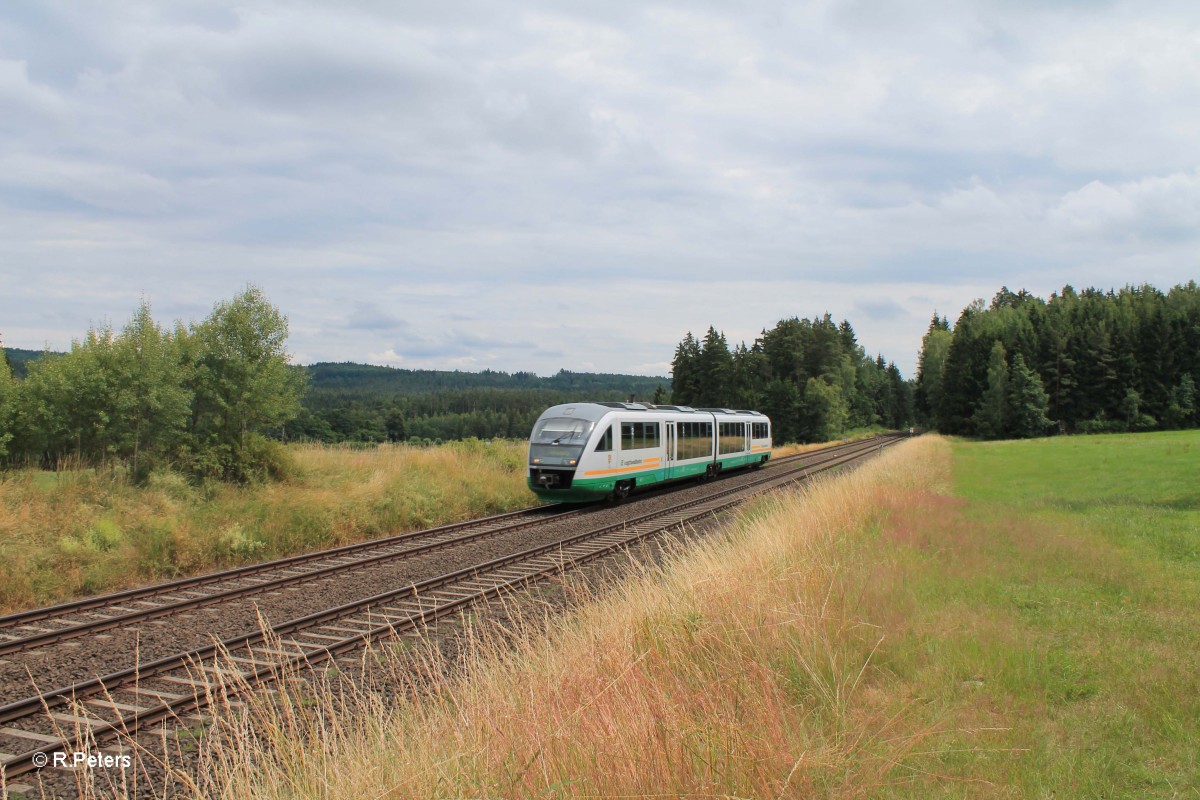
(545, 185)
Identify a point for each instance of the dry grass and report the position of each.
(741, 669)
(77, 533)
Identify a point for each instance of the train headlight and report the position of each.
(572, 463)
(537, 461)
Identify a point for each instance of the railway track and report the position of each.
(47, 626)
(174, 687)
(41, 627)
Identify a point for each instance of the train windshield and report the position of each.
(562, 430)
(559, 441)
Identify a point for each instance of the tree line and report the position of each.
(1086, 362)
(485, 413)
(334, 416)
(811, 377)
(363, 403)
(202, 398)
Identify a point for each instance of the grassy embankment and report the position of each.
(958, 620)
(77, 533)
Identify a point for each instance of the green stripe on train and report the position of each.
(599, 488)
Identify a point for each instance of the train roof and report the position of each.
(661, 407)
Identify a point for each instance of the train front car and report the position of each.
(590, 451)
(557, 445)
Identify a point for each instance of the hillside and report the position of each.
(19, 359)
(362, 403)
(347, 376)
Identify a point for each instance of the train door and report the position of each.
(670, 440)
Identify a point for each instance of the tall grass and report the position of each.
(80, 532)
(742, 669)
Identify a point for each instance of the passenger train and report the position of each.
(580, 452)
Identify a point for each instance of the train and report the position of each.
(584, 452)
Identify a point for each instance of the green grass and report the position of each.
(1051, 622)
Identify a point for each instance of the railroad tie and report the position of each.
(389, 618)
(155, 693)
(186, 682)
(71, 719)
(37, 737)
(454, 594)
(355, 631)
(222, 672)
(116, 706)
(251, 661)
(300, 651)
(322, 636)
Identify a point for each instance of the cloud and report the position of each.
(535, 186)
(371, 317)
(1157, 207)
(883, 310)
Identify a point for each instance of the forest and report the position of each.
(1081, 362)
(811, 377)
(362, 403)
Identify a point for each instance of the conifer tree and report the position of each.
(714, 370)
(1181, 407)
(992, 416)
(685, 372)
(1027, 402)
(930, 369)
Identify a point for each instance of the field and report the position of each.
(1064, 599)
(956, 619)
(83, 532)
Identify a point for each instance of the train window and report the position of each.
(605, 443)
(639, 435)
(760, 430)
(695, 439)
(562, 430)
(732, 437)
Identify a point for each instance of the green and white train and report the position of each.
(580, 452)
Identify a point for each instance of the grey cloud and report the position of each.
(883, 309)
(372, 317)
(473, 342)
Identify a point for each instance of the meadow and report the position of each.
(955, 619)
